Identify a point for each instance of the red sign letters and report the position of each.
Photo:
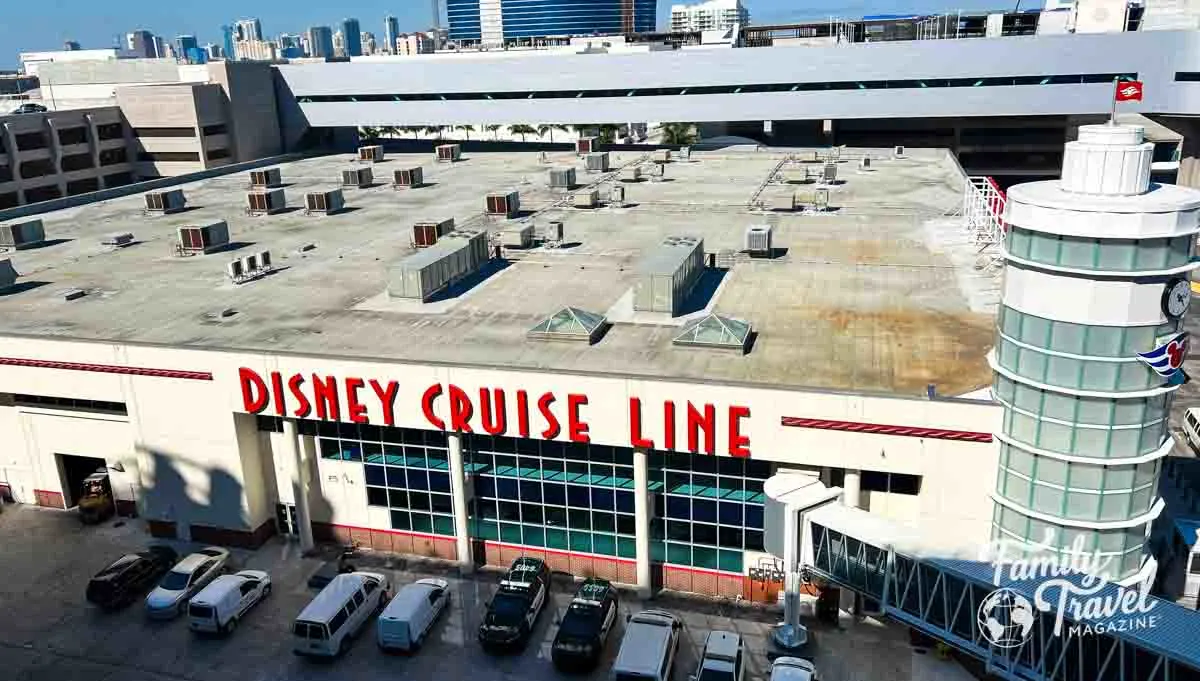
(494, 411)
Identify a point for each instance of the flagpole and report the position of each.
(1112, 119)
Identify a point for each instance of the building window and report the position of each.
(67, 403)
(72, 136)
(216, 154)
(1080, 339)
(218, 129)
(8, 200)
(118, 179)
(1124, 547)
(31, 140)
(109, 157)
(1075, 490)
(38, 168)
(110, 131)
(164, 132)
(76, 162)
(45, 193)
(168, 156)
(891, 483)
(83, 186)
(1107, 255)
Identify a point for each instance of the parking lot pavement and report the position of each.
(49, 633)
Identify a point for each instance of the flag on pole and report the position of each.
(1166, 360)
(1129, 91)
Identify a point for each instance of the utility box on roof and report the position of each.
(327, 202)
(631, 174)
(667, 275)
(265, 202)
(203, 238)
(562, 178)
(427, 232)
(597, 162)
(586, 145)
(758, 240)
(267, 178)
(8, 276)
(448, 153)
(661, 156)
(830, 174)
(507, 204)
(408, 177)
(357, 177)
(372, 153)
(18, 235)
(422, 274)
(786, 202)
(517, 236)
(167, 201)
(588, 198)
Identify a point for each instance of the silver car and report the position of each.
(185, 580)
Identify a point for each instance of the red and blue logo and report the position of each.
(1167, 359)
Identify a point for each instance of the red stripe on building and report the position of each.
(405, 533)
(106, 369)
(558, 552)
(883, 429)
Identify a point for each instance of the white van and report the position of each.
(219, 606)
(1191, 428)
(406, 621)
(648, 648)
(326, 625)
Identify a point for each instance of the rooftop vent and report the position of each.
(410, 178)
(570, 323)
(667, 274)
(507, 204)
(716, 331)
(829, 175)
(371, 154)
(586, 145)
(427, 232)
(327, 202)
(864, 163)
(555, 234)
(685, 153)
(18, 235)
(265, 202)
(597, 162)
(616, 195)
(423, 274)
(357, 177)
(588, 198)
(167, 201)
(562, 178)
(449, 153)
(8, 276)
(267, 178)
(898, 152)
(758, 240)
(195, 239)
(117, 239)
(250, 267)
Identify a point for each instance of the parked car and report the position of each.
(129, 577)
(724, 658)
(219, 606)
(514, 609)
(407, 619)
(649, 647)
(793, 669)
(327, 624)
(30, 107)
(184, 580)
(586, 625)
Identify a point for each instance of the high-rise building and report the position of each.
(227, 42)
(435, 11)
(142, 43)
(391, 29)
(351, 34)
(162, 49)
(497, 21)
(183, 46)
(286, 40)
(414, 43)
(1086, 376)
(249, 29)
(713, 15)
(339, 43)
(257, 50)
(368, 43)
(320, 42)
(214, 51)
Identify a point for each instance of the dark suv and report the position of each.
(585, 626)
(129, 577)
(515, 608)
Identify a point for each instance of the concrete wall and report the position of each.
(249, 92)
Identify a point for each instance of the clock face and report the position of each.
(1177, 298)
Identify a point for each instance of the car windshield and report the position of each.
(508, 608)
(581, 621)
(175, 581)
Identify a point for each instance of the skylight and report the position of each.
(715, 331)
(569, 323)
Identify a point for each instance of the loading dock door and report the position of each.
(74, 469)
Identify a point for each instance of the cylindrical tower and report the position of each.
(1096, 274)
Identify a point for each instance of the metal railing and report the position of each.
(983, 211)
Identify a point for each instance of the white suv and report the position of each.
(724, 658)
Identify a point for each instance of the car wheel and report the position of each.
(344, 646)
(266, 591)
(230, 625)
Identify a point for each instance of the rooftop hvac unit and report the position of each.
(268, 178)
(616, 194)
(787, 202)
(8, 276)
(597, 162)
(517, 236)
(685, 153)
(203, 238)
(507, 204)
(556, 232)
(448, 153)
(661, 156)
(235, 270)
(758, 240)
(168, 201)
(357, 177)
(265, 202)
(631, 174)
(327, 202)
(588, 198)
(422, 274)
(117, 239)
(898, 152)
(562, 178)
(372, 153)
(427, 232)
(18, 235)
(408, 177)
(829, 175)
(667, 274)
(586, 145)
(802, 175)
(818, 199)
(864, 163)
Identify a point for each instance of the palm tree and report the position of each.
(389, 131)
(468, 129)
(608, 133)
(494, 129)
(522, 130)
(368, 133)
(433, 130)
(679, 133)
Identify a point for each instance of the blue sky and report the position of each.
(33, 25)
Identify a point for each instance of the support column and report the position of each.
(851, 488)
(641, 516)
(291, 442)
(458, 487)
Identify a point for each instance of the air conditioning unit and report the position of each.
(117, 239)
(556, 231)
(203, 238)
(235, 270)
(562, 178)
(586, 145)
(507, 204)
(631, 174)
(18, 235)
(327, 202)
(371, 154)
(685, 153)
(588, 198)
(264, 260)
(250, 263)
(8, 276)
(616, 194)
(357, 177)
(517, 236)
(265, 202)
(787, 202)
(427, 232)
(829, 176)
(661, 156)
(168, 201)
(758, 240)
(448, 153)
(597, 162)
(408, 177)
(268, 178)
(898, 152)
(864, 163)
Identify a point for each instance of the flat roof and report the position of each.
(879, 294)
